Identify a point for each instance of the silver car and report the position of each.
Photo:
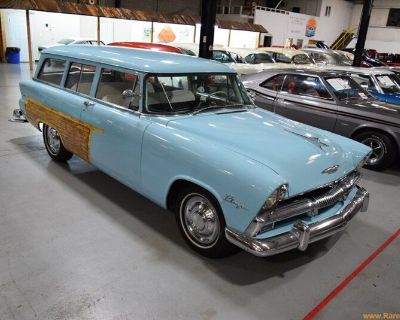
(333, 101)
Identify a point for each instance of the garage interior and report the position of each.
(77, 244)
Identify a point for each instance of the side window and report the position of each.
(305, 86)
(249, 58)
(119, 88)
(280, 57)
(52, 71)
(274, 83)
(364, 81)
(80, 77)
(221, 57)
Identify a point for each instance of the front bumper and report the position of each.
(301, 234)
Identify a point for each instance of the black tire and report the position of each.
(58, 153)
(218, 246)
(384, 149)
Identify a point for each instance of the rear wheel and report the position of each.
(201, 223)
(54, 145)
(384, 150)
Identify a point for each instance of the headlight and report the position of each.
(363, 161)
(276, 196)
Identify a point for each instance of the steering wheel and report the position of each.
(215, 94)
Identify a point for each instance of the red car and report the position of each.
(148, 46)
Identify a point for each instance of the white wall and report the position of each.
(329, 28)
(379, 36)
(15, 30)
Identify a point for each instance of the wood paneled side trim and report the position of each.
(75, 134)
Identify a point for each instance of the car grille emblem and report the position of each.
(331, 170)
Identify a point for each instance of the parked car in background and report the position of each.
(230, 58)
(333, 101)
(393, 69)
(71, 41)
(147, 46)
(366, 61)
(328, 57)
(383, 85)
(183, 132)
(288, 56)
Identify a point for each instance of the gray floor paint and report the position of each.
(76, 244)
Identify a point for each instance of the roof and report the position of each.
(305, 71)
(369, 71)
(140, 60)
(286, 51)
(121, 13)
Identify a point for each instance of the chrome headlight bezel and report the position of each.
(275, 197)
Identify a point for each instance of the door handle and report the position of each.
(88, 103)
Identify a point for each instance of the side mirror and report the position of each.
(252, 94)
(128, 93)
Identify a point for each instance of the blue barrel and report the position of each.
(13, 54)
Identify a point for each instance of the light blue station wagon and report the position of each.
(183, 132)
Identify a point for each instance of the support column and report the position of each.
(362, 32)
(28, 32)
(98, 30)
(208, 16)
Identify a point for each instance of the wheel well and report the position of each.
(391, 137)
(176, 187)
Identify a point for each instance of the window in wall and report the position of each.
(119, 88)
(327, 11)
(393, 18)
(296, 9)
(80, 77)
(52, 71)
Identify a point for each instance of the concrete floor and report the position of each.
(76, 244)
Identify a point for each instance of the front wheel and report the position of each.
(202, 224)
(54, 145)
(384, 150)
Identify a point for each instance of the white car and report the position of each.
(226, 56)
(69, 41)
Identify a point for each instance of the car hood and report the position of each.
(296, 152)
(243, 68)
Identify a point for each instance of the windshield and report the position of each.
(389, 83)
(344, 59)
(193, 92)
(345, 88)
(65, 41)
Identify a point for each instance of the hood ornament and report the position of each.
(314, 140)
(331, 170)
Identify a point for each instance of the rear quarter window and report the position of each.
(52, 71)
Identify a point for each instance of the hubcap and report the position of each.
(200, 220)
(53, 140)
(378, 150)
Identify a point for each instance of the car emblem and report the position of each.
(314, 140)
(331, 170)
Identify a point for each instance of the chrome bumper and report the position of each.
(18, 116)
(301, 234)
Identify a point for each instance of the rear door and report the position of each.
(305, 99)
(113, 111)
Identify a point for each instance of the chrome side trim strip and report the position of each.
(302, 234)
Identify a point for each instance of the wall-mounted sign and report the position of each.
(311, 27)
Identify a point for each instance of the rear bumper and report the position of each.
(301, 234)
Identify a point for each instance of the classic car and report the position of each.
(382, 84)
(329, 57)
(183, 132)
(147, 46)
(230, 58)
(331, 100)
(71, 41)
(286, 55)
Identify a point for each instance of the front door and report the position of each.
(266, 93)
(115, 145)
(305, 99)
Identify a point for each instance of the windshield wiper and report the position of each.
(229, 106)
